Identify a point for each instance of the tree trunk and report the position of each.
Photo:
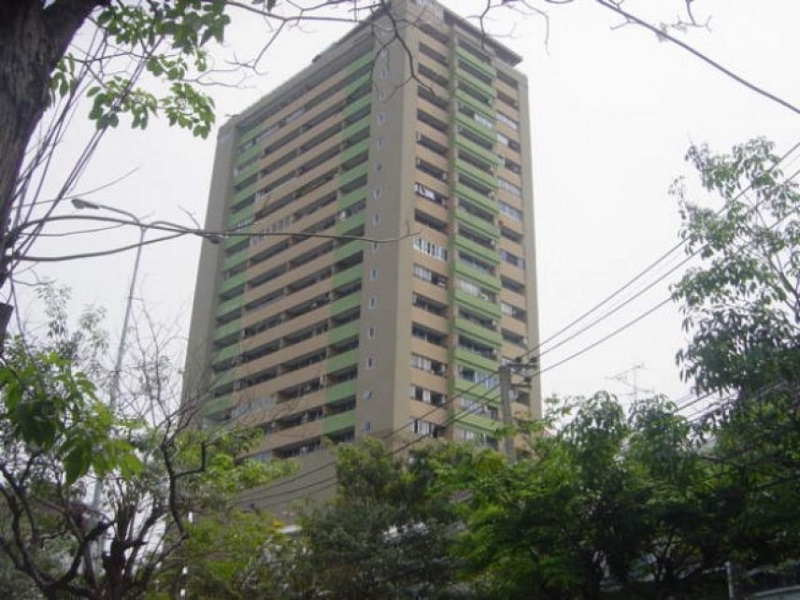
(33, 38)
(34, 35)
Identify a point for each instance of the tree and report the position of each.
(58, 440)
(607, 506)
(232, 554)
(387, 532)
(742, 306)
(742, 310)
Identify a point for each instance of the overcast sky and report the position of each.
(613, 113)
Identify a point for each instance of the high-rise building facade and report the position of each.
(381, 264)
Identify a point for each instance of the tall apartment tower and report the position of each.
(413, 133)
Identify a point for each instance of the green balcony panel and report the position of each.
(347, 200)
(232, 282)
(465, 271)
(248, 154)
(478, 224)
(360, 62)
(229, 306)
(340, 391)
(224, 331)
(479, 151)
(482, 307)
(354, 107)
(349, 275)
(485, 172)
(234, 259)
(216, 406)
(347, 303)
(480, 65)
(252, 132)
(232, 241)
(476, 83)
(246, 172)
(481, 333)
(485, 131)
(226, 353)
(353, 174)
(487, 254)
(354, 151)
(350, 223)
(476, 423)
(223, 379)
(341, 361)
(356, 128)
(476, 360)
(343, 332)
(244, 193)
(338, 422)
(239, 220)
(486, 110)
(488, 134)
(481, 200)
(348, 250)
(487, 179)
(468, 389)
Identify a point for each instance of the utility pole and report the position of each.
(635, 389)
(508, 418)
(506, 386)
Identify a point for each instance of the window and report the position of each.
(373, 302)
(485, 379)
(509, 211)
(515, 338)
(514, 286)
(511, 166)
(508, 142)
(373, 273)
(431, 170)
(507, 100)
(509, 187)
(507, 121)
(370, 363)
(428, 305)
(427, 396)
(431, 249)
(512, 311)
(429, 194)
(426, 50)
(381, 118)
(432, 145)
(512, 259)
(427, 335)
(425, 274)
(422, 427)
(428, 364)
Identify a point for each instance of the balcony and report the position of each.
(483, 307)
(340, 391)
(338, 422)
